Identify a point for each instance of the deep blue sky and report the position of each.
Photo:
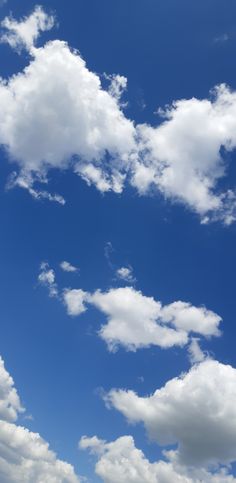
(167, 50)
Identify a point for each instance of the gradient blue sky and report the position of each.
(168, 50)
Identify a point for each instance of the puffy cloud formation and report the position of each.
(125, 274)
(68, 267)
(136, 321)
(80, 125)
(25, 33)
(121, 462)
(10, 404)
(196, 411)
(25, 456)
(182, 156)
(75, 301)
(47, 278)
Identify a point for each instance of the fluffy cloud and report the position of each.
(77, 123)
(81, 126)
(10, 404)
(125, 274)
(68, 267)
(25, 33)
(25, 456)
(196, 411)
(47, 278)
(136, 321)
(182, 156)
(75, 301)
(121, 462)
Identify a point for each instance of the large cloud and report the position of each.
(25, 456)
(80, 125)
(121, 462)
(136, 321)
(197, 411)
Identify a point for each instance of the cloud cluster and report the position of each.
(136, 321)
(25, 456)
(81, 126)
(121, 462)
(196, 411)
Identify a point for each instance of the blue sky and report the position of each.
(176, 236)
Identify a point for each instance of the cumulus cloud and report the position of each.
(196, 411)
(68, 267)
(47, 278)
(25, 456)
(125, 274)
(75, 300)
(121, 462)
(77, 124)
(81, 126)
(10, 405)
(25, 32)
(136, 321)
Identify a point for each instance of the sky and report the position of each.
(118, 228)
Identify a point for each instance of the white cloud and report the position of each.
(10, 404)
(26, 32)
(182, 156)
(81, 126)
(47, 278)
(195, 352)
(136, 321)
(75, 300)
(121, 462)
(197, 411)
(76, 119)
(25, 456)
(125, 274)
(68, 267)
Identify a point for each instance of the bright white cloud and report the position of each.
(182, 156)
(10, 404)
(75, 300)
(76, 119)
(125, 274)
(68, 267)
(136, 321)
(47, 278)
(26, 32)
(196, 410)
(81, 126)
(121, 462)
(25, 456)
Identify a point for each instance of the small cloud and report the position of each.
(125, 274)
(195, 352)
(222, 38)
(25, 181)
(68, 267)
(23, 34)
(47, 278)
(108, 251)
